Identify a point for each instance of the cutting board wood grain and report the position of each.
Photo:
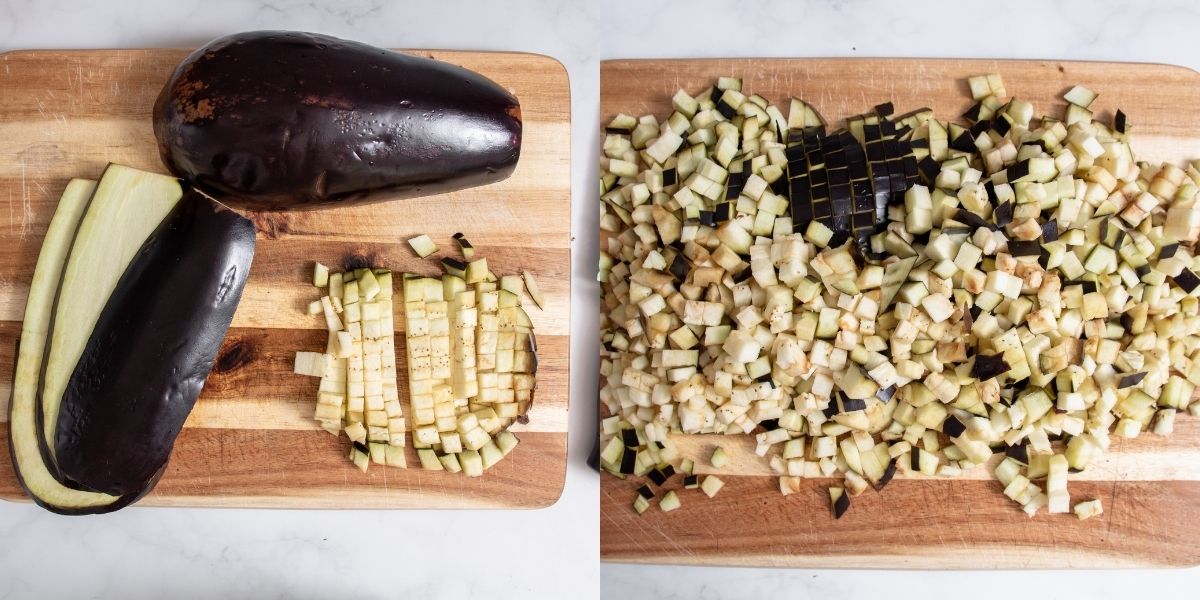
(1150, 486)
(251, 440)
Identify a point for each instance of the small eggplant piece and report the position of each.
(152, 347)
(630, 438)
(970, 219)
(1130, 379)
(679, 268)
(1003, 214)
(468, 250)
(645, 492)
(853, 404)
(885, 394)
(1050, 231)
(840, 501)
(988, 366)
(964, 143)
(274, 120)
(722, 212)
(1019, 453)
(657, 476)
(628, 461)
(1024, 248)
(929, 169)
(953, 427)
(887, 476)
(1187, 280)
(454, 267)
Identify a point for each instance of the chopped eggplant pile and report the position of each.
(358, 392)
(905, 296)
(275, 120)
(471, 359)
(130, 265)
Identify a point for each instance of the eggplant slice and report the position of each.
(152, 347)
(37, 477)
(126, 207)
(273, 120)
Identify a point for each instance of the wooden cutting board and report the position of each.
(1150, 487)
(251, 440)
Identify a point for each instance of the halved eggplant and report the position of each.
(281, 120)
(152, 347)
(38, 477)
(126, 207)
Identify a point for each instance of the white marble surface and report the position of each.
(1150, 32)
(192, 553)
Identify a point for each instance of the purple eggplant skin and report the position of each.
(278, 120)
(152, 348)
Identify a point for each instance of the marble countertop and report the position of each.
(227, 553)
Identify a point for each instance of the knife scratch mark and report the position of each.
(26, 208)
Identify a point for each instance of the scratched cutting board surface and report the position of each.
(251, 440)
(1150, 486)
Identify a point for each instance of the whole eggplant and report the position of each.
(153, 347)
(274, 120)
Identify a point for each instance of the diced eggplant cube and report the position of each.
(1003, 214)
(628, 462)
(669, 502)
(1050, 231)
(1024, 248)
(887, 475)
(645, 492)
(1001, 125)
(629, 436)
(1131, 380)
(1187, 280)
(853, 404)
(722, 212)
(841, 503)
(1019, 453)
(657, 476)
(711, 485)
(953, 427)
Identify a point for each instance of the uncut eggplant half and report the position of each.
(153, 347)
(275, 120)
